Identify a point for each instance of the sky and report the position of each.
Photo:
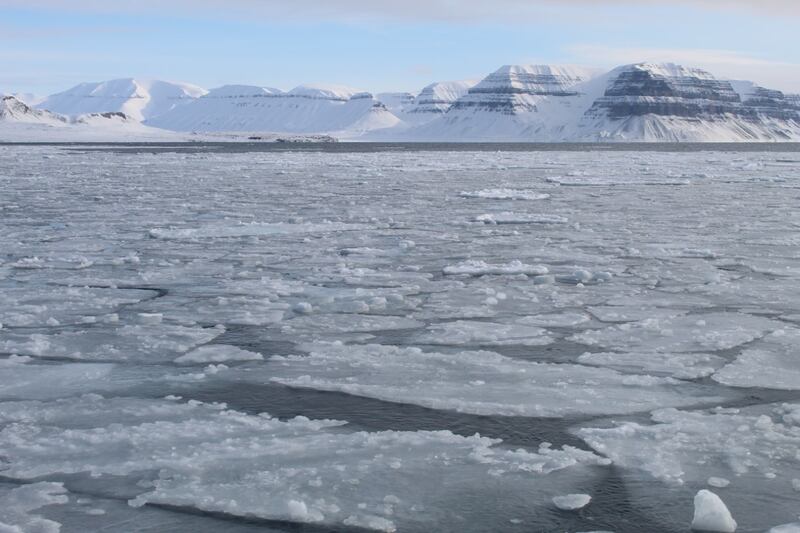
(47, 46)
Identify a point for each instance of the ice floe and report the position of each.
(711, 514)
(478, 382)
(207, 457)
(17, 503)
(506, 194)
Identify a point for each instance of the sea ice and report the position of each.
(506, 194)
(16, 504)
(678, 365)
(695, 333)
(520, 218)
(572, 502)
(207, 457)
(218, 353)
(711, 514)
(481, 268)
(477, 333)
(478, 382)
(771, 363)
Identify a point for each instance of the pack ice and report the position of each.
(201, 338)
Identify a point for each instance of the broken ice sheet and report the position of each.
(150, 340)
(207, 457)
(771, 363)
(755, 448)
(477, 333)
(17, 506)
(701, 332)
(31, 306)
(678, 365)
(480, 382)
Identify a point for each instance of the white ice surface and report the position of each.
(572, 502)
(704, 332)
(711, 514)
(218, 353)
(478, 382)
(16, 505)
(773, 363)
(210, 458)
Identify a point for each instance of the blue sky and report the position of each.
(50, 45)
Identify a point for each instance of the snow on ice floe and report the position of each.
(207, 457)
(771, 363)
(754, 448)
(520, 218)
(218, 353)
(21, 379)
(703, 332)
(131, 342)
(17, 503)
(711, 514)
(347, 323)
(572, 502)
(477, 333)
(474, 267)
(253, 229)
(677, 365)
(506, 194)
(478, 382)
(54, 305)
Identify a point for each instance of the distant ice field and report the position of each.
(346, 337)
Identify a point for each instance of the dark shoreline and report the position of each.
(367, 147)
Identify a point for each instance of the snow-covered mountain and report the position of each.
(642, 102)
(668, 102)
(507, 105)
(304, 109)
(21, 123)
(432, 101)
(138, 99)
(536, 103)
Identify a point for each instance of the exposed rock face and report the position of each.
(667, 90)
(438, 98)
(13, 110)
(515, 89)
(304, 109)
(668, 102)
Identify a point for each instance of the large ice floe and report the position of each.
(210, 458)
(480, 382)
(206, 338)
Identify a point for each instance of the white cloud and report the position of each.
(722, 63)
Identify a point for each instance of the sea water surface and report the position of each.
(398, 337)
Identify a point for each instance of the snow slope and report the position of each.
(304, 109)
(22, 123)
(139, 99)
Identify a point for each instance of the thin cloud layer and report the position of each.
(409, 10)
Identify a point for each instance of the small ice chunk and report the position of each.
(302, 308)
(572, 502)
(718, 482)
(786, 528)
(711, 514)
